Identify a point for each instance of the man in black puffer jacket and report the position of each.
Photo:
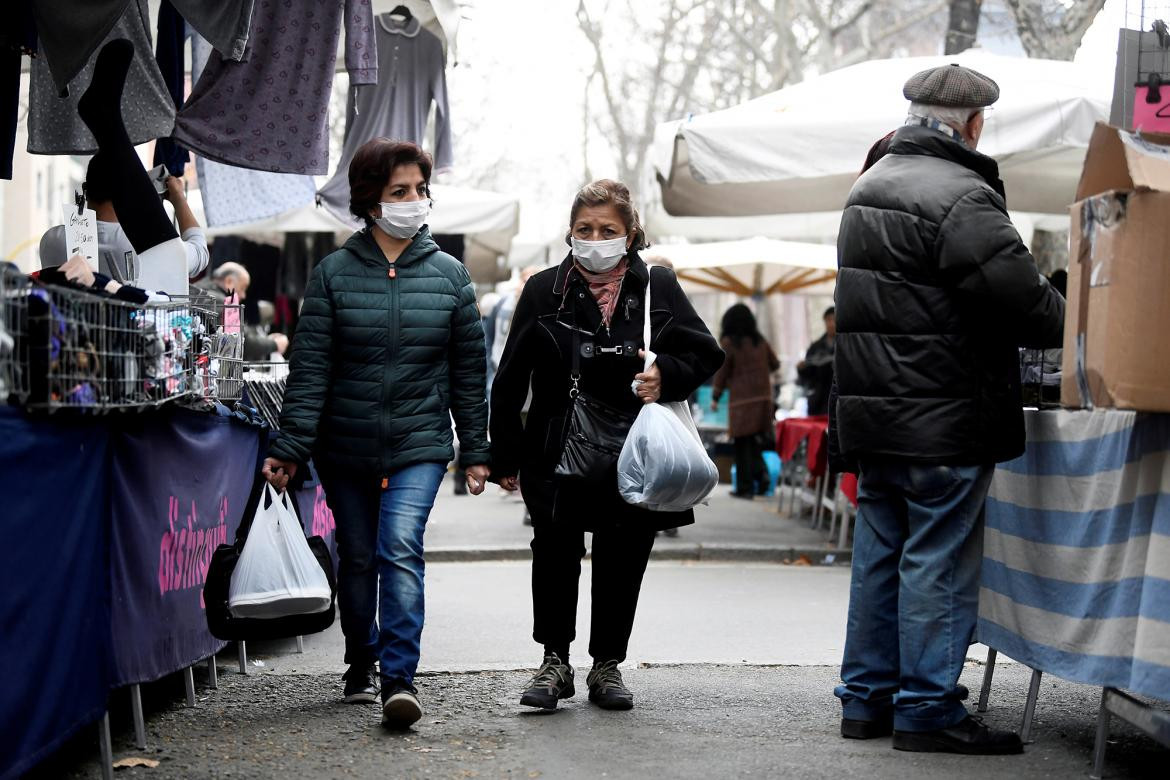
(935, 295)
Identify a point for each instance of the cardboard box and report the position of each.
(1117, 325)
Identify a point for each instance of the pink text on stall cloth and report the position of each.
(323, 523)
(185, 550)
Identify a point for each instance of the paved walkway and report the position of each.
(491, 526)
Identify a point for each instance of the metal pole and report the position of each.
(843, 539)
(300, 644)
(139, 721)
(107, 749)
(1102, 737)
(189, 681)
(988, 673)
(212, 674)
(1030, 706)
(243, 656)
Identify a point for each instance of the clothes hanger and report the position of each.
(403, 12)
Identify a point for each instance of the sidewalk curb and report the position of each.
(697, 553)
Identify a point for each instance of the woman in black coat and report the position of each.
(591, 306)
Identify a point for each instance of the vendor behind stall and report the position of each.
(116, 257)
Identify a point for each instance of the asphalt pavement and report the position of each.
(732, 664)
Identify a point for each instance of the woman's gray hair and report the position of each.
(948, 115)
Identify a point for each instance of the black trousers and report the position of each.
(619, 562)
(749, 464)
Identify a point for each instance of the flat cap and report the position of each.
(951, 85)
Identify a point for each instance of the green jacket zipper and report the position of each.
(388, 370)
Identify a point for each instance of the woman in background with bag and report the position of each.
(577, 338)
(388, 349)
(751, 414)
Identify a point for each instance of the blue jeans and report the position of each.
(380, 571)
(917, 552)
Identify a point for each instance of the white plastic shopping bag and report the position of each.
(663, 465)
(277, 574)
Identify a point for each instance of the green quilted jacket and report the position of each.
(383, 359)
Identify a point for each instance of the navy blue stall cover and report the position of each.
(179, 483)
(316, 514)
(55, 602)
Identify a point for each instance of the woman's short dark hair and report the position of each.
(607, 192)
(739, 323)
(371, 168)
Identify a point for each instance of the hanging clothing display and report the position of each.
(54, 127)
(71, 31)
(411, 75)
(237, 196)
(17, 38)
(269, 112)
(168, 53)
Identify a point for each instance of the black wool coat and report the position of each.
(935, 294)
(538, 351)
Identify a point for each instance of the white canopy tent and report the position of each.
(487, 220)
(783, 164)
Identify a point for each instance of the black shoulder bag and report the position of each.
(595, 432)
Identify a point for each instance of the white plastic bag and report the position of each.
(663, 465)
(277, 574)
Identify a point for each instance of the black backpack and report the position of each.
(220, 621)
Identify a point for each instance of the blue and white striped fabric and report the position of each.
(1076, 567)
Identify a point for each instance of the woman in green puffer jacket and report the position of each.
(388, 349)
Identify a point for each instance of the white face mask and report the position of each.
(403, 220)
(599, 256)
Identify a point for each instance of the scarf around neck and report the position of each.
(605, 286)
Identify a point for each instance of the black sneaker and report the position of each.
(400, 707)
(551, 683)
(361, 685)
(969, 737)
(852, 728)
(606, 688)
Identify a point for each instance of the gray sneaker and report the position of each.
(551, 683)
(606, 688)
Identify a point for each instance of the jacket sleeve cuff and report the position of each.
(468, 459)
(675, 376)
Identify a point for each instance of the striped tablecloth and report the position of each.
(1076, 567)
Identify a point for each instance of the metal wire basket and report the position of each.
(87, 352)
(217, 350)
(14, 288)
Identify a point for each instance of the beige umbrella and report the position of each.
(754, 267)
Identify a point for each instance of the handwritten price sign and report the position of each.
(81, 235)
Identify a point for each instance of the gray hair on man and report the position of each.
(232, 269)
(951, 116)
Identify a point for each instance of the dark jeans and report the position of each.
(750, 468)
(380, 571)
(917, 552)
(619, 562)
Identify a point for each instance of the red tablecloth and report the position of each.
(815, 430)
(849, 487)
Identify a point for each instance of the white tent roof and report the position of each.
(799, 150)
(757, 266)
(487, 220)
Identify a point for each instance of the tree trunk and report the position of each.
(962, 25)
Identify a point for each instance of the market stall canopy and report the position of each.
(757, 266)
(799, 150)
(487, 220)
